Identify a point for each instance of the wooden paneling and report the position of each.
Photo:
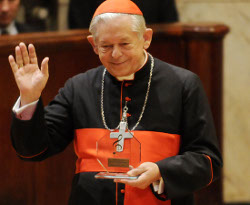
(197, 47)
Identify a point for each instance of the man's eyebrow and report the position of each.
(125, 39)
(108, 42)
(104, 42)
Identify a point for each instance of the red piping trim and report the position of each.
(212, 173)
(116, 193)
(121, 100)
(29, 157)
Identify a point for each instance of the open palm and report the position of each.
(29, 78)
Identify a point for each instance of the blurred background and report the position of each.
(52, 15)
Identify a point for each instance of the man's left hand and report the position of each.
(148, 172)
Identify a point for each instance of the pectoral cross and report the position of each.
(122, 134)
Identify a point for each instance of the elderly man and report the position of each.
(163, 106)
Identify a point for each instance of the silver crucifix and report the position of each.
(122, 134)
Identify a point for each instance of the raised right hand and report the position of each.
(29, 78)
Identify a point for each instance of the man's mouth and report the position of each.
(117, 63)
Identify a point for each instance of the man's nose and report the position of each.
(5, 6)
(116, 53)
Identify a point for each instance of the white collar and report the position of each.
(11, 28)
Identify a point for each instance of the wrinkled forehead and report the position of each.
(105, 22)
(115, 29)
(110, 19)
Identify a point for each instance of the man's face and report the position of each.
(8, 11)
(119, 48)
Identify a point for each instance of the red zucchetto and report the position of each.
(118, 6)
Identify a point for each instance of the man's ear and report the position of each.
(147, 38)
(92, 42)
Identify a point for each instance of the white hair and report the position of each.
(138, 22)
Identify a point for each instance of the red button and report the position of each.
(128, 115)
(127, 99)
(127, 84)
(122, 191)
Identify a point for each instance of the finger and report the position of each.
(141, 182)
(19, 58)
(13, 64)
(24, 52)
(136, 172)
(32, 54)
(131, 167)
(45, 66)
